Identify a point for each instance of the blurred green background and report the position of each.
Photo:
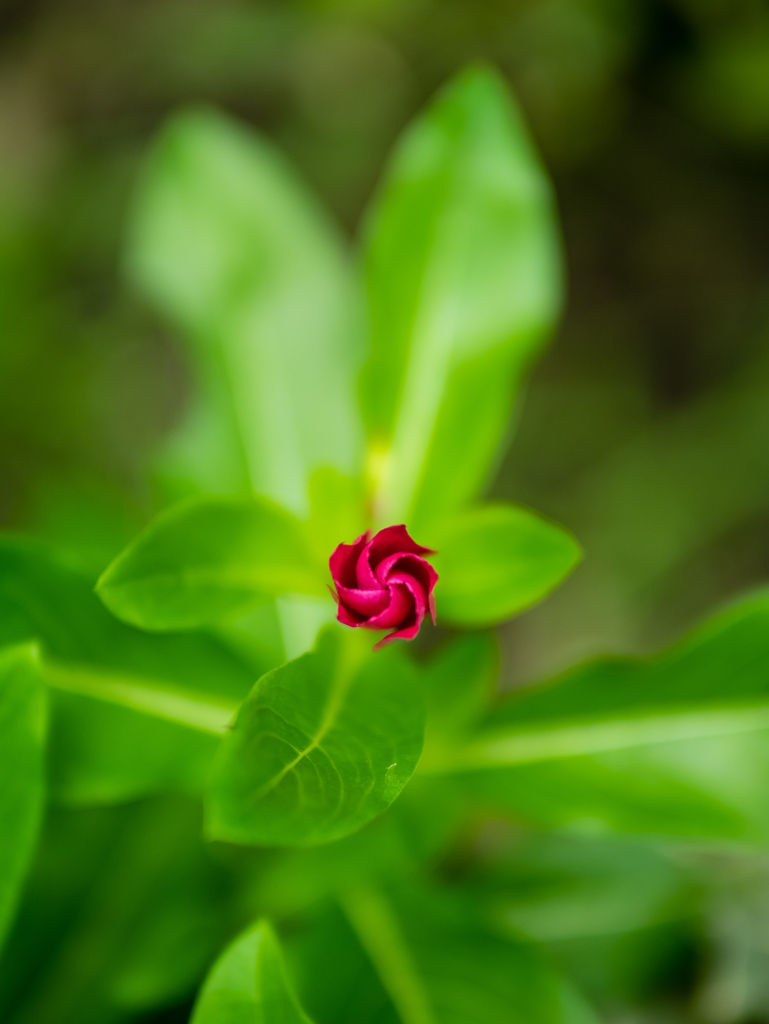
(645, 429)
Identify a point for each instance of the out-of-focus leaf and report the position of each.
(337, 512)
(131, 712)
(676, 744)
(231, 247)
(124, 909)
(464, 283)
(416, 956)
(557, 887)
(249, 985)
(207, 559)
(22, 736)
(495, 560)
(321, 746)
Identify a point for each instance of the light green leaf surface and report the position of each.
(321, 746)
(132, 713)
(464, 284)
(496, 560)
(231, 247)
(23, 713)
(677, 744)
(249, 985)
(405, 954)
(208, 559)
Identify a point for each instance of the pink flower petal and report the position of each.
(343, 560)
(364, 602)
(400, 607)
(412, 564)
(392, 540)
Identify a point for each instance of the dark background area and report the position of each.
(644, 429)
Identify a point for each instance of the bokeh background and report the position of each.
(646, 427)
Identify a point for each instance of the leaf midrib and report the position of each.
(206, 713)
(583, 738)
(336, 695)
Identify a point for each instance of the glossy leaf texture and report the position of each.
(464, 284)
(228, 243)
(412, 954)
(210, 558)
(132, 713)
(249, 984)
(496, 560)
(674, 745)
(321, 746)
(23, 717)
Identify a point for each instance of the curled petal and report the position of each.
(344, 559)
(364, 602)
(400, 606)
(384, 582)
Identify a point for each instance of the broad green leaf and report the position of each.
(675, 744)
(124, 909)
(321, 746)
(23, 712)
(464, 283)
(407, 954)
(131, 712)
(337, 512)
(207, 559)
(249, 984)
(230, 246)
(496, 560)
(460, 683)
(560, 888)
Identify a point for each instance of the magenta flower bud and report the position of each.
(384, 582)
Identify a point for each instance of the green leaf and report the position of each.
(23, 712)
(249, 985)
(207, 559)
(464, 282)
(675, 744)
(131, 712)
(556, 887)
(321, 746)
(229, 244)
(123, 912)
(496, 560)
(409, 954)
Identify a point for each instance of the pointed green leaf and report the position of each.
(249, 985)
(321, 746)
(496, 560)
(676, 744)
(417, 955)
(23, 711)
(229, 245)
(131, 712)
(463, 271)
(207, 559)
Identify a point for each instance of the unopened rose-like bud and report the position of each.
(383, 582)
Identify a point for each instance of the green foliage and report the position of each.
(463, 275)
(22, 782)
(249, 985)
(321, 746)
(414, 955)
(131, 713)
(306, 772)
(496, 560)
(208, 559)
(231, 248)
(675, 745)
